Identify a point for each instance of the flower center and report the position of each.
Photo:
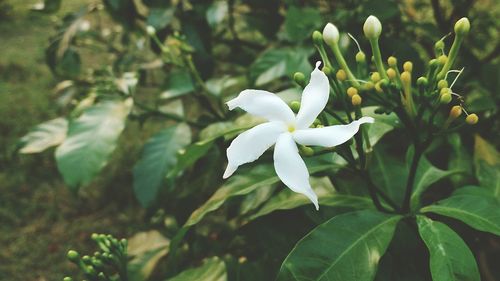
(291, 128)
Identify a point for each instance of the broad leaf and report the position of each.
(91, 139)
(188, 156)
(487, 164)
(244, 183)
(158, 156)
(287, 199)
(146, 249)
(300, 23)
(450, 258)
(45, 135)
(347, 247)
(478, 211)
(212, 269)
(383, 124)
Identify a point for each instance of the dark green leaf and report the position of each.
(479, 212)
(179, 83)
(91, 139)
(212, 269)
(45, 135)
(347, 247)
(450, 258)
(158, 156)
(487, 164)
(300, 23)
(188, 156)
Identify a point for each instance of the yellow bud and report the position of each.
(408, 66)
(356, 100)
(375, 77)
(392, 61)
(405, 77)
(471, 119)
(378, 88)
(445, 98)
(455, 111)
(442, 59)
(391, 73)
(352, 91)
(341, 75)
(442, 84)
(444, 91)
(368, 86)
(360, 57)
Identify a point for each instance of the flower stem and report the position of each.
(342, 63)
(377, 57)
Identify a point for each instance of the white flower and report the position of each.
(284, 129)
(330, 34)
(372, 27)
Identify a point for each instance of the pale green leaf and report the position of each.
(45, 135)
(487, 164)
(145, 249)
(212, 269)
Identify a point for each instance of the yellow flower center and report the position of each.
(291, 128)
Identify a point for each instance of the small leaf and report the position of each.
(91, 139)
(160, 18)
(146, 249)
(478, 211)
(244, 183)
(450, 258)
(487, 164)
(158, 156)
(347, 247)
(179, 83)
(287, 199)
(212, 269)
(45, 135)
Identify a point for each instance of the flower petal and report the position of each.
(251, 144)
(314, 98)
(263, 104)
(331, 135)
(291, 169)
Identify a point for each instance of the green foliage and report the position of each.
(212, 269)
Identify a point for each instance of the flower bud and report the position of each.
(408, 66)
(150, 30)
(356, 100)
(341, 75)
(445, 98)
(326, 70)
(445, 91)
(392, 61)
(372, 28)
(73, 256)
(368, 86)
(375, 77)
(295, 106)
(317, 122)
(439, 46)
(351, 91)
(422, 81)
(433, 62)
(67, 278)
(406, 77)
(330, 34)
(462, 26)
(391, 73)
(317, 38)
(306, 150)
(442, 84)
(471, 119)
(442, 59)
(300, 78)
(455, 111)
(378, 87)
(360, 57)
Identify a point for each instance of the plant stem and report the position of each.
(411, 177)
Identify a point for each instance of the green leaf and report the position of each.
(388, 171)
(301, 22)
(159, 18)
(91, 139)
(244, 183)
(146, 249)
(383, 124)
(460, 159)
(188, 156)
(277, 63)
(287, 199)
(179, 83)
(158, 156)
(47, 6)
(216, 12)
(45, 135)
(478, 211)
(212, 269)
(487, 164)
(450, 258)
(346, 247)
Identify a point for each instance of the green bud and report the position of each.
(422, 81)
(442, 84)
(316, 122)
(73, 256)
(295, 106)
(433, 62)
(326, 70)
(86, 259)
(442, 59)
(439, 46)
(94, 236)
(317, 38)
(360, 57)
(90, 271)
(300, 78)
(67, 278)
(102, 276)
(306, 151)
(445, 98)
(462, 26)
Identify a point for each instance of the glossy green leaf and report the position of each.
(287, 199)
(145, 249)
(388, 171)
(158, 156)
(45, 135)
(212, 269)
(487, 164)
(244, 183)
(91, 139)
(478, 211)
(301, 22)
(347, 247)
(450, 258)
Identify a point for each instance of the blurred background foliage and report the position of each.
(55, 54)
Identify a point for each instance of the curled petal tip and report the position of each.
(232, 104)
(318, 64)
